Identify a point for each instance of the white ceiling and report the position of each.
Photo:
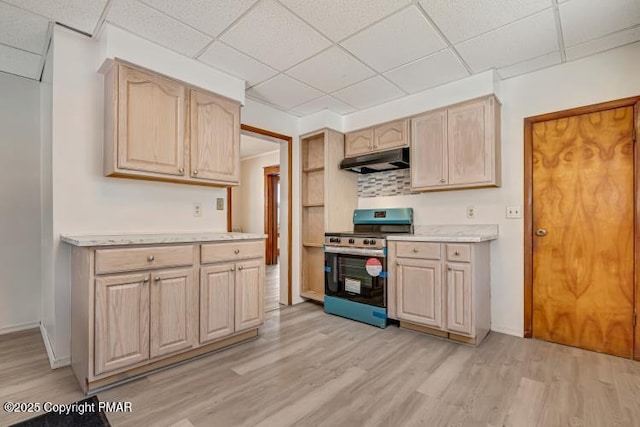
(303, 56)
(251, 146)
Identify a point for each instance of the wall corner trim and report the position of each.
(55, 363)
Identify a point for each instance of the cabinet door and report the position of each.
(121, 322)
(471, 142)
(249, 294)
(390, 135)
(214, 138)
(419, 291)
(459, 308)
(429, 167)
(217, 301)
(358, 143)
(174, 311)
(151, 123)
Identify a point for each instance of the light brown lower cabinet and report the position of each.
(440, 288)
(128, 323)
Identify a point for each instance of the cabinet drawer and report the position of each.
(422, 250)
(460, 253)
(216, 252)
(131, 259)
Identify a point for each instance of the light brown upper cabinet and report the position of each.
(382, 137)
(157, 128)
(457, 147)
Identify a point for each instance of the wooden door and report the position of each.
(151, 123)
(429, 150)
(358, 143)
(174, 311)
(583, 222)
(249, 293)
(271, 209)
(459, 298)
(214, 138)
(217, 301)
(390, 135)
(471, 140)
(122, 321)
(419, 291)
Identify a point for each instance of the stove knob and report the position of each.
(372, 242)
(332, 239)
(366, 241)
(352, 241)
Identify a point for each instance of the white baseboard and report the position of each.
(18, 328)
(507, 330)
(55, 363)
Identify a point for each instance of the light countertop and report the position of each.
(154, 238)
(450, 233)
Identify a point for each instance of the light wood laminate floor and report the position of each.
(313, 369)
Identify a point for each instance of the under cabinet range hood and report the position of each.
(378, 162)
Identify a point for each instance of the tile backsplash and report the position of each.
(389, 183)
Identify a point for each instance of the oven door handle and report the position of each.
(380, 253)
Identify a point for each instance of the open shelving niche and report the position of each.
(329, 196)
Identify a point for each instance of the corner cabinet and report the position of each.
(457, 147)
(157, 128)
(440, 288)
(329, 196)
(385, 136)
(138, 308)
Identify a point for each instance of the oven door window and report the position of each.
(357, 278)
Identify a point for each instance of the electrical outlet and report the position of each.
(220, 203)
(197, 209)
(471, 212)
(513, 212)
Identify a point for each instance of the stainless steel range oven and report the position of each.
(356, 264)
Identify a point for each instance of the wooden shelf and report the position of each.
(312, 295)
(313, 245)
(318, 169)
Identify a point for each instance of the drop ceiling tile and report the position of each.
(284, 92)
(604, 43)
(210, 17)
(368, 93)
(397, 40)
(463, 19)
(275, 36)
(584, 20)
(331, 70)
(82, 15)
(157, 27)
(534, 64)
(434, 70)
(22, 29)
(19, 62)
(338, 19)
(236, 63)
(326, 102)
(523, 40)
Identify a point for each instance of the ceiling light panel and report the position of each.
(397, 40)
(434, 70)
(331, 70)
(520, 41)
(463, 19)
(338, 19)
(284, 92)
(82, 15)
(275, 36)
(22, 29)
(210, 17)
(157, 27)
(236, 63)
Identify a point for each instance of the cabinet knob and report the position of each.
(157, 279)
(240, 268)
(151, 258)
(237, 251)
(195, 172)
(415, 250)
(442, 180)
(181, 170)
(145, 280)
(456, 253)
(233, 269)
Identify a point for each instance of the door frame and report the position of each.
(271, 176)
(528, 203)
(289, 141)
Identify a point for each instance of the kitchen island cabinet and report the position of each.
(141, 302)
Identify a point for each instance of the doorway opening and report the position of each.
(261, 204)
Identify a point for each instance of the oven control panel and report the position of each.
(355, 242)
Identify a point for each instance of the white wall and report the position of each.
(19, 203)
(607, 76)
(248, 197)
